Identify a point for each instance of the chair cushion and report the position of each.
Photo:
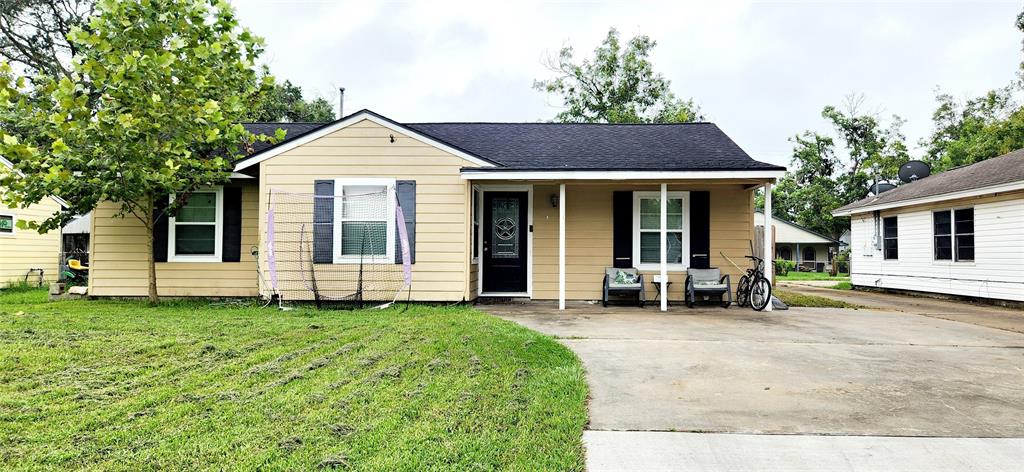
(709, 286)
(625, 278)
(615, 286)
(710, 275)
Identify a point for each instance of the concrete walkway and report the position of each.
(654, 451)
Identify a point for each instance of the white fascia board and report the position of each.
(977, 192)
(621, 175)
(289, 145)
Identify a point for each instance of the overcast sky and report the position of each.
(761, 70)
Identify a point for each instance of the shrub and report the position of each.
(782, 266)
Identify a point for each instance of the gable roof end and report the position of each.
(343, 122)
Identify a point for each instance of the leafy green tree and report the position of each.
(34, 36)
(618, 85)
(821, 179)
(284, 102)
(970, 131)
(874, 152)
(34, 33)
(150, 110)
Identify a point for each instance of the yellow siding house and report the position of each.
(525, 210)
(26, 255)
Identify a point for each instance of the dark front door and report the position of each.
(505, 228)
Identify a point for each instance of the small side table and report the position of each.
(657, 287)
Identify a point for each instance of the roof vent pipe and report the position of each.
(341, 102)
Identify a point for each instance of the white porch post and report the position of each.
(664, 247)
(561, 246)
(769, 250)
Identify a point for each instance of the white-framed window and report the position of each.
(196, 233)
(477, 210)
(7, 222)
(890, 238)
(647, 230)
(364, 220)
(953, 234)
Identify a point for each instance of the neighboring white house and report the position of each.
(809, 250)
(960, 232)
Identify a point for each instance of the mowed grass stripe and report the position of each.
(192, 385)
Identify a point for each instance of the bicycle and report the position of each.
(754, 289)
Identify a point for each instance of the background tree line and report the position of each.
(828, 169)
(34, 36)
(826, 173)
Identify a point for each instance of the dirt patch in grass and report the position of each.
(190, 385)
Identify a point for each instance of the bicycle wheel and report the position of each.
(743, 291)
(760, 294)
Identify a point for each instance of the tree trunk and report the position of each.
(154, 298)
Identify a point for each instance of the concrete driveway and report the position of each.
(803, 371)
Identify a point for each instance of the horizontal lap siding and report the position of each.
(365, 150)
(27, 249)
(589, 236)
(119, 257)
(994, 273)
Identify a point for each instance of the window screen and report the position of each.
(890, 233)
(943, 231)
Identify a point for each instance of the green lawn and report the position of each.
(794, 275)
(799, 299)
(192, 385)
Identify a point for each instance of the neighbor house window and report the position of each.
(6, 224)
(647, 226)
(963, 231)
(364, 220)
(195, 232)
(810, 254)
(954, 234)
(890, 233)
(785, 253)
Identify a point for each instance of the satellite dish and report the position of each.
(914, 170)
(881, 187)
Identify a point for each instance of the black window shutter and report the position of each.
(405, 190)
(323, 221)
(160, 228)
(231, 246)
(622, 229)
(700, 230)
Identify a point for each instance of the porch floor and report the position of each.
(587, 308)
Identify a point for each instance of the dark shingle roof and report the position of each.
(1004, 169)
(569, 146)
(292, 131)
(560, 146)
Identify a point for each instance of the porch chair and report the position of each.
(707, 283)
(624, 281)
